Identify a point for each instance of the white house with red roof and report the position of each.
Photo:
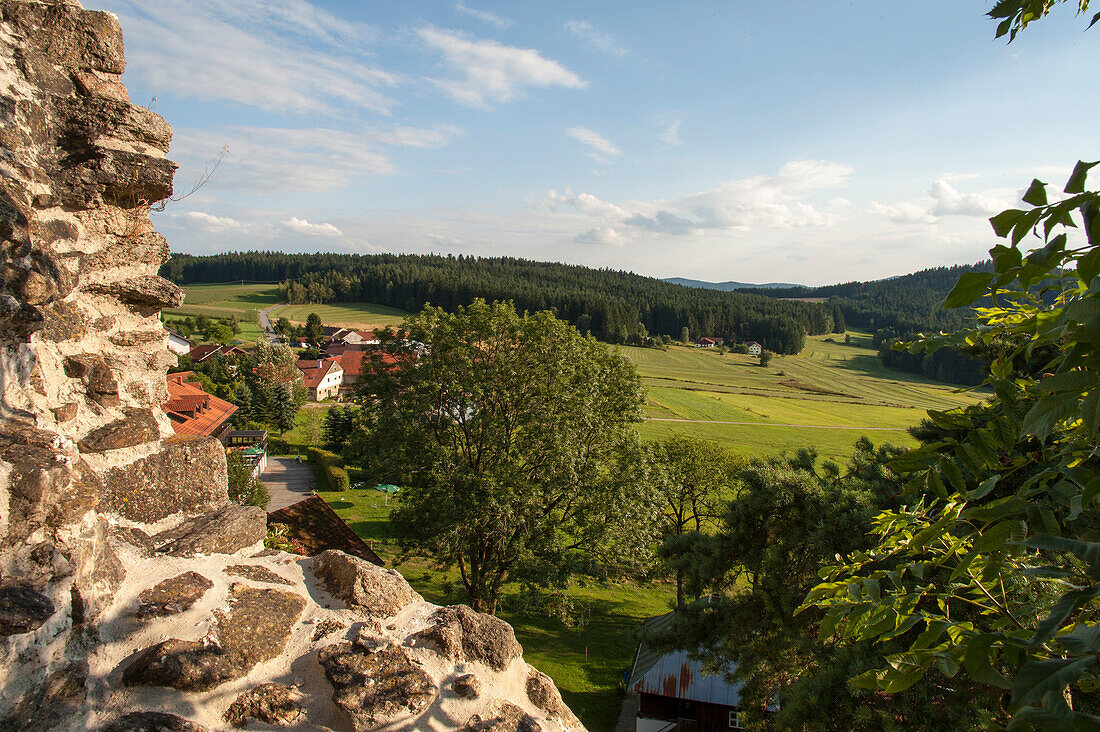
(321, 376)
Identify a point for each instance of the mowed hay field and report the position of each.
(825, 397)
(346, 314)
(223, 301)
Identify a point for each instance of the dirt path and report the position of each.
(775, 424)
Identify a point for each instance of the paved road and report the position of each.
(287, 481)
(775, 424)
(265, 323)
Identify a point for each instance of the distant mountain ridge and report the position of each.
(727, 286)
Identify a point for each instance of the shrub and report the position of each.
(329, 462)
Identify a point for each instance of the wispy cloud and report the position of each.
(303, 226)
(950, 201)
(265, 160)
(670, 136)
(604, 235)
(487, 71)
(600, 41)
(275, 55)
(207, 222)
(602, 148)
(485, 16)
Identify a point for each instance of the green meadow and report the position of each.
(827, 397)
(346, 314)
(223, 301)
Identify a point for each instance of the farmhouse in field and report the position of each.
(669, 691)
(349, 337)
(709, 342)
(752, 348)
(195, 413)
(199, 354)
(321, 376)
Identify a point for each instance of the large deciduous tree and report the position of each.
(513, 439)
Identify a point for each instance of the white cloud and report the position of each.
(600, 235)
(208, 222)
(600, 41)
(485, 16)
(604, 148)
(487, 71)
(302, 226)
(276, 55)
(905, 212)
(274, 159)
(671, 134)
(952, 202)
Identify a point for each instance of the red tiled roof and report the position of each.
(191, 410)
(316, 528)
(351, 362)
(199, 354)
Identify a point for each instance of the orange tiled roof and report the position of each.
(192, 411)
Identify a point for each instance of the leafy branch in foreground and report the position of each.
(995, 570)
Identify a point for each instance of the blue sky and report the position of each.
(814, 141)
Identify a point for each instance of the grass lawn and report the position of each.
(826, 397)
(586, 663)
(346, 314)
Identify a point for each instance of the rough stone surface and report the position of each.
(544, 695)
(257, 573)
(268, 703)
(194, 469)
(225, 531)
(467, 686)
(505, 717)
(255, 629)
(99, 503)
(460, 634)
(374, 687)
(173, 595)
(136, 428)
(23, 610)
(152, 722)
(377, 591)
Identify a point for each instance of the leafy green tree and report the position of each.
(791, 516)
(285, 411)
(244, 488)
(691, 475)
(513, 439)
(218, 333)
(314, 329)
(281, 326)
(685, 336)
(765, 357)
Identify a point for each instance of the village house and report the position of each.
(709, 342)
(753, 348)
(195, 413)
(321, 376)
(177, 344)
(349, 337)
(199, 354)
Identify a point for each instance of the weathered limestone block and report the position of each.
(268, 703)
(467, 686)
(184, 476)
(505, 717)
(256, 573)
(152, 722)
(460, 634)
(375, 590)
(148, 291)
(255, 629)
(53, 704)
(66, 35)
(173, 595)
(544, 695)
(23, 610)
(224, 531)
(136, 428)
(374, 687)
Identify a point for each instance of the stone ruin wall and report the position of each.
(133, 595)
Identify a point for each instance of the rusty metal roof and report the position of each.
(674, 674)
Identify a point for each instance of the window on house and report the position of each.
(735, 720)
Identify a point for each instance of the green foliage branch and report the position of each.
(994, 571)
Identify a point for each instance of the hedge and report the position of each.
(335, 474)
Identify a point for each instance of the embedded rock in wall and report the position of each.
(133, 594)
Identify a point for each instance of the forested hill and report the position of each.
(730, 285)
(906, 304)
(616, 306)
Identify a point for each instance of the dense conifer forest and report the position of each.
(615, 306)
